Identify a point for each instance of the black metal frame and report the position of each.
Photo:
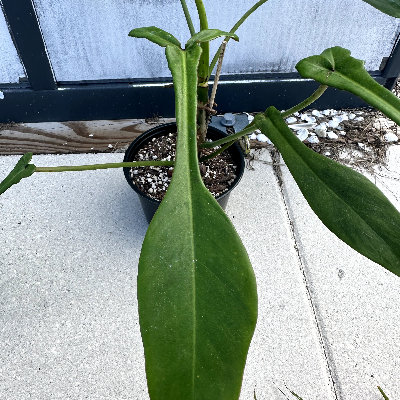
(42, 99)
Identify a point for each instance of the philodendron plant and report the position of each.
(197, 294)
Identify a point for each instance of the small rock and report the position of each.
(253, 136)
(291, 120)
(352, 116)
(331, 135)
(170, 172)
(313, 139)
(305, 125)
(316, 113)
(333, 124)
(320, 131)
(391, 137)
(308, 118)
(110, 146)
(343, 133)
(262, 138)
(302, 134)
(91, 135)
(359, 119)
(327, 153)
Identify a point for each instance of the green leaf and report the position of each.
(389, 7)
(207, 35)
(335, 67)
(21, 170)
(354, 209)
(196, 288)
(155, 35)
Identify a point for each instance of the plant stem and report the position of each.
(233, 30)
(202, 88)
(219, 151)
(318, 93)
(217, 74)
(105, 166)
(188, 18)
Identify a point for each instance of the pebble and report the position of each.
(332, 135)
(352, 116)
(305, 125)
(253, 136)
(307, 118)
(359, 119)
(320, 130)
(333, 124)
(302, 134)
(313, 139)
(316, 113)
(291, 120)
(262, 138)
(391, 137)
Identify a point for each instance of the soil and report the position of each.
(218, 173)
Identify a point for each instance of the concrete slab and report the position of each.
(357, 301)
(69, 329)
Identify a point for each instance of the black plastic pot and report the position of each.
(150, 205)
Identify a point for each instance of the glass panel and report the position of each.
(11, 68)
(88, 40)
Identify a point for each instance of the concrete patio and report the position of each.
(329, 319)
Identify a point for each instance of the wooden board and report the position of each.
(73, 136)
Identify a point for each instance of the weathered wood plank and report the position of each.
(73, 136)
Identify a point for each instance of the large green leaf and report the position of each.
(390, 7)
(155, 35)
(350, 206)
(207, 35)
(21, 170)
(196, 288)
(335, 67)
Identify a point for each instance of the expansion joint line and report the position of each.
(335, 390)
